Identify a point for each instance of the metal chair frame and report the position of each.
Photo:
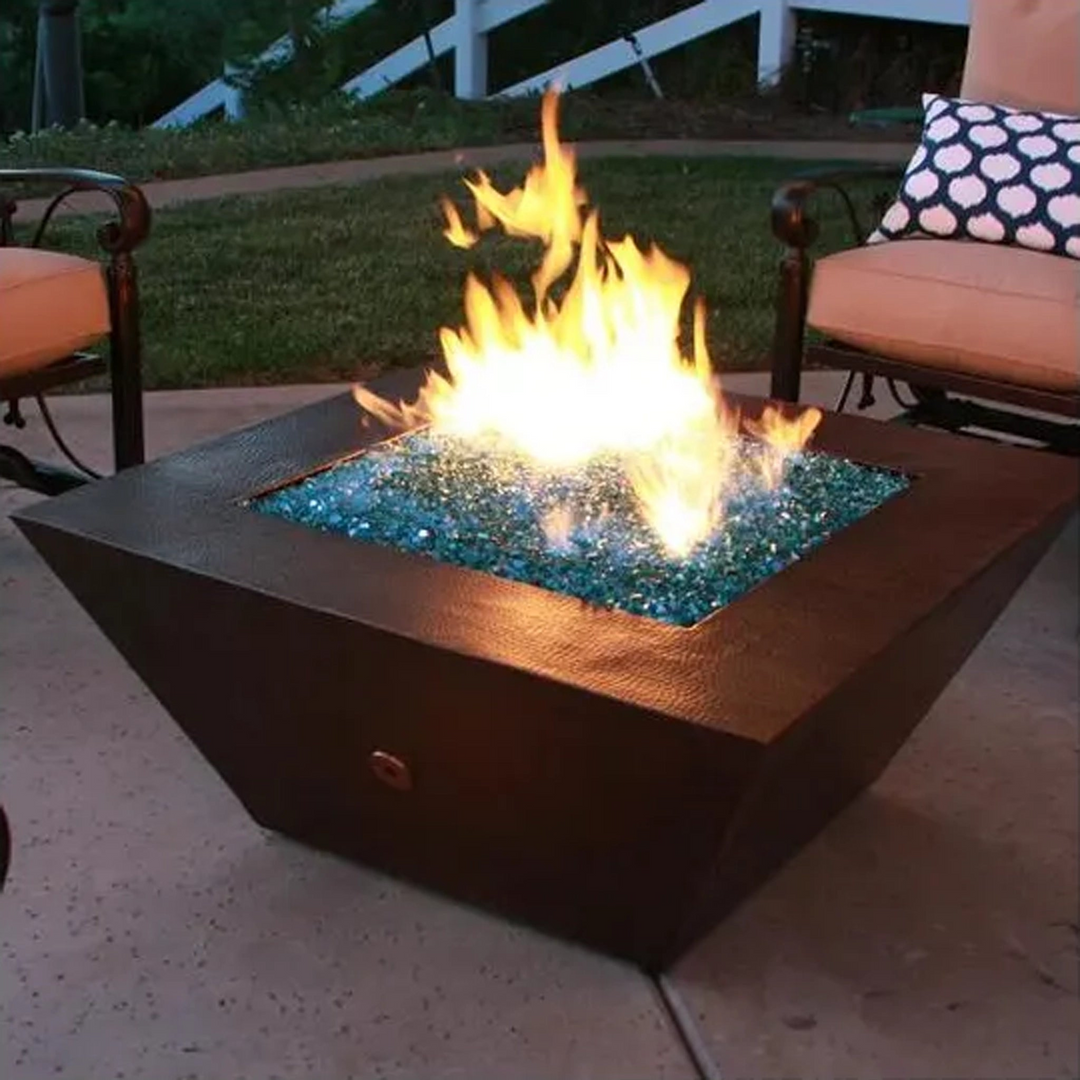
(940, 398)
(118, 238)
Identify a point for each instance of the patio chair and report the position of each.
(55, 307)
(986, 336)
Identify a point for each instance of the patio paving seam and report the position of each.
(168, 193)
(686, 1031)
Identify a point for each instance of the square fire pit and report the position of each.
(608, 777)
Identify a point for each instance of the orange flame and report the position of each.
(546, 207)
(455, 230)
(599, 371)
(782, 438)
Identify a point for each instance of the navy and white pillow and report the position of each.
(986, 172)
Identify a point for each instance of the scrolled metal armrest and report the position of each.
(791, 220)
(133, 211)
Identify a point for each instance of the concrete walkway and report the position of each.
(166, 193)
(150, 929)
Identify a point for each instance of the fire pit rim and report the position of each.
(183, 509)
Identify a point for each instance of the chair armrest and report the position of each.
(116, 237)
(791, 221)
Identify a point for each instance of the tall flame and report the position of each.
(546, 207)
(599, 371)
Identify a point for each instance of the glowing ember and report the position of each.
(600, 371)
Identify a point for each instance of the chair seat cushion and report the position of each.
(1004, 313)
(50, 306)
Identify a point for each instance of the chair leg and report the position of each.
(788, 338)
(36, 475)
(937, 409)
(5, 847)
(126, 360)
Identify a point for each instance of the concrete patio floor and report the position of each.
(151, 929)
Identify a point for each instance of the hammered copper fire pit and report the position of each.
(592, 649)
(604, 776)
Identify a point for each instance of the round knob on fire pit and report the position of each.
(391, 770)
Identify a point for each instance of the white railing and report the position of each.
(466, 34)
(659, 37)
(221, 94)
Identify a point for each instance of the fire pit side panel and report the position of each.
(847, 741)
(571, 811)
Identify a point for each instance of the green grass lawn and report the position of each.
(402, 121)
(323, 284)
(339, 128)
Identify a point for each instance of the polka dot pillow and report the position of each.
(985, 172)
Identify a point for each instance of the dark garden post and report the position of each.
(58, 79)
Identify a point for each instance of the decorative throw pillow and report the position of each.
(986, 172)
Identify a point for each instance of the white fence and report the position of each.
(466, 34)
(221, 95)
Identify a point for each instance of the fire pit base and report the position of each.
(609, 778)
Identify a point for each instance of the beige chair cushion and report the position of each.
(983, 309)
(50, 306)
(1024, 53)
